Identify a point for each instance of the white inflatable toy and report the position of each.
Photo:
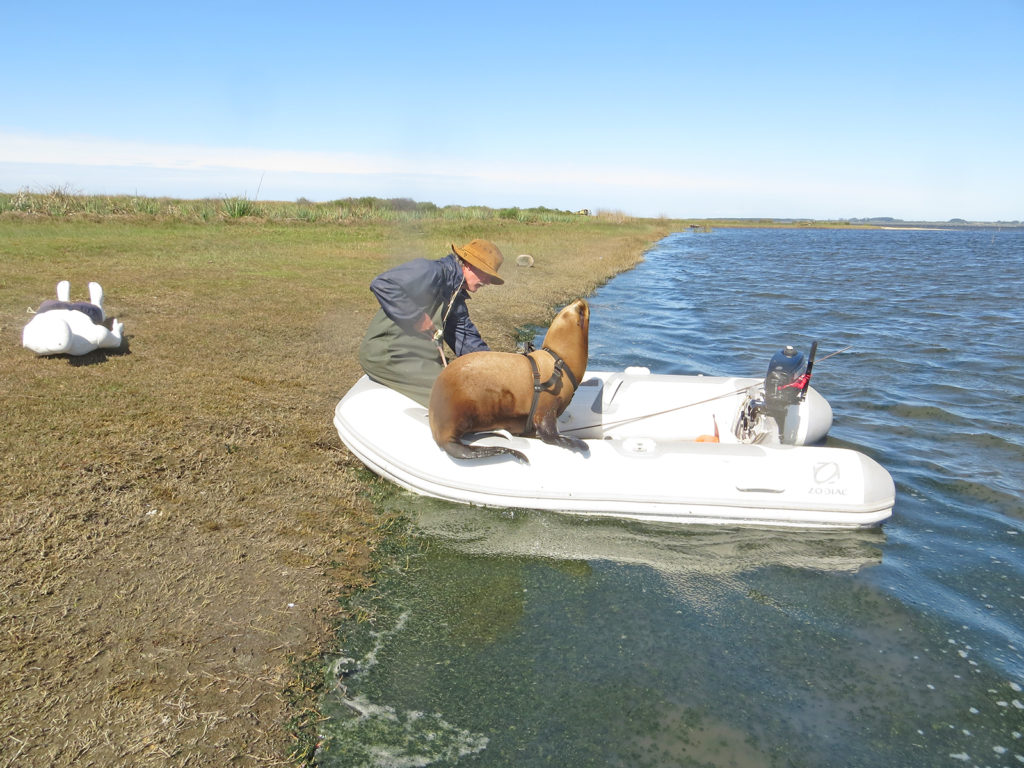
(63, 327)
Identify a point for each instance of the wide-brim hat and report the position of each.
(484, 255)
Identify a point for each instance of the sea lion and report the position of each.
(486, 391)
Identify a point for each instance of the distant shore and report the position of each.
(852, 224)
(62, 203)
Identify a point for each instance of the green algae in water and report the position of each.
(535, 639)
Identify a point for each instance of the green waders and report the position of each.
(405, 362)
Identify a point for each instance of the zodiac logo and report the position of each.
(826, 473)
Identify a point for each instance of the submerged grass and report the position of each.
(179, 516)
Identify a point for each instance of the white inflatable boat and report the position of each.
(667, 448)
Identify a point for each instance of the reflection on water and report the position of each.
(693, 552)
(532, 638)
(506, 638)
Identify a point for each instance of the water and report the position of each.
(538, 639)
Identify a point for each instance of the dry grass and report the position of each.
(179, 517)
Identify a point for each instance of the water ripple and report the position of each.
(933, 386)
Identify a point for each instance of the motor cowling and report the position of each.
(785, 369)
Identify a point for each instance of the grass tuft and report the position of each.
(240, 207)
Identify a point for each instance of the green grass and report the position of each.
(166, 503)
(61, 202)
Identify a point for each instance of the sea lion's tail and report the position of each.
(459, 450)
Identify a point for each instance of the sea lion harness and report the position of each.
(552, 385)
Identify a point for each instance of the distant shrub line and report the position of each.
(60, 202)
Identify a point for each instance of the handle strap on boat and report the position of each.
(561, 369)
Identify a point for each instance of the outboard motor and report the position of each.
(785, 384)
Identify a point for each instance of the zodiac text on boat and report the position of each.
(826, 475)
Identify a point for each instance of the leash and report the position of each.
(438, 336)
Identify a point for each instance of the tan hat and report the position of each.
(484, 255)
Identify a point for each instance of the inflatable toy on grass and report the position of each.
(65, 327)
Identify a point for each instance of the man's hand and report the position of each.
(426, 327)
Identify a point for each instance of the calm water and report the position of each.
(537, 639)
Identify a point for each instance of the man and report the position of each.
(422, 303)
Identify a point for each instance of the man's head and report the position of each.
(481, 261)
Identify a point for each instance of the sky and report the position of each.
(829, 110)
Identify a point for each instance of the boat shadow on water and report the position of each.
(671, 550)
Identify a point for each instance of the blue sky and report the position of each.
(786, 109)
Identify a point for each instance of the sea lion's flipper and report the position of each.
(458, 450)
(547, 430)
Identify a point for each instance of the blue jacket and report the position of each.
(421, 286)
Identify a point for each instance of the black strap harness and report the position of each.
(550, 385)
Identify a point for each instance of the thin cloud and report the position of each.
(93, 165)
(98, 152)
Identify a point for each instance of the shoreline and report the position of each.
(181, 517)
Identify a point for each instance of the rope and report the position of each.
(632, 419)
(439, 334)
(451, 302)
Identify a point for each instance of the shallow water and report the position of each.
(531, 638)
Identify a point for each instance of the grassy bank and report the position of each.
(59, 202)
(179, 516)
